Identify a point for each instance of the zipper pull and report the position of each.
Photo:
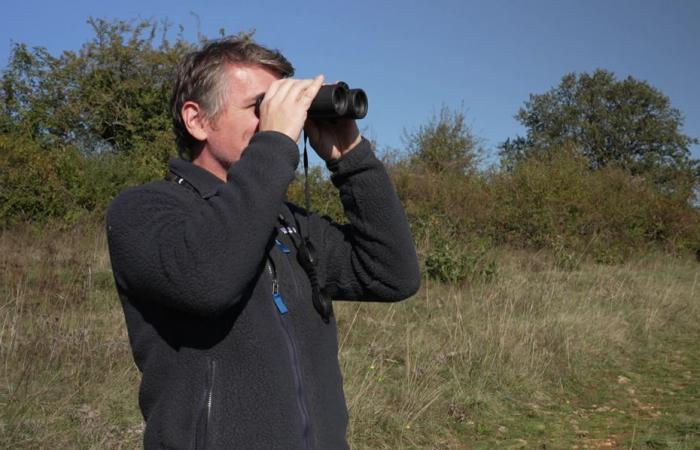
(282, 246)
(277, 298)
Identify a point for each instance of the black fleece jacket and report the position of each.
(224, 365)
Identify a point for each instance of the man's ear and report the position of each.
(195, 120)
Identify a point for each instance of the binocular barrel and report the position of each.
(335, 101)
(338, 100)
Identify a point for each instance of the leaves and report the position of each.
(445, 144)
(626, 123)
(85, 124)
(113, 91)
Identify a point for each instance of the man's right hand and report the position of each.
(285, 105)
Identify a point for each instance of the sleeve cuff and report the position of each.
(351, 159)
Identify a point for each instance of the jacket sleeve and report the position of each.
(372, 257)
(200, 255)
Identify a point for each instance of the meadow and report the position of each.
(546, 352)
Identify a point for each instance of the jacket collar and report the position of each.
(203, 181)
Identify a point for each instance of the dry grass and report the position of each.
(455, 367)
(67, 379)
(526, 360)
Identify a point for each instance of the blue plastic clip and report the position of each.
(281, 307)
(282, 247)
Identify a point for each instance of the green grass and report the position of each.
(545, 355)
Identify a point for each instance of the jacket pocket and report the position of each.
(204, 421)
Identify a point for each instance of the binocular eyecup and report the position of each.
(335, 101)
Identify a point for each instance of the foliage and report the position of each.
(77, 128)
(555, 200)
(39, 185)
(450, 261)
(549, 201)
(28, 173)
(626, 123)
(445, 144)
(323, 195)
(109, 96)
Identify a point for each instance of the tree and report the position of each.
(444, 144)
(80, 126)
(628, 123)
(110, 95)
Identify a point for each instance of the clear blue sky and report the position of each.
(412, 57)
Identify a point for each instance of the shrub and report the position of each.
(557, 201)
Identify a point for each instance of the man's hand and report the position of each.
(285, 105)
(332, 138)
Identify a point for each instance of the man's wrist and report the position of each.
(352, 146)
(350, 159)
(339, 153)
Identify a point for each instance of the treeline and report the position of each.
(604, 168)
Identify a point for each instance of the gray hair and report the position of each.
(200, 78)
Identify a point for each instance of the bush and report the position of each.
(452, 262)
(31, 188)
(64, 184)
(445, 144)
(557, 201)
(448, 254)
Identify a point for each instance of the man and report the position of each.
(227, 317)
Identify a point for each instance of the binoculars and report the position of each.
(334, 101)
(338, 100)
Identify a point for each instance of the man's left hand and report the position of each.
(332, 138)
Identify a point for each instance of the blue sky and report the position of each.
(414, 57)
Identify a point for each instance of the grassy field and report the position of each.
(546, 355)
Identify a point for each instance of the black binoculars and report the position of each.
(334, 101)
(338, 100)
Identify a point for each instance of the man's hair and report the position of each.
(201, 78)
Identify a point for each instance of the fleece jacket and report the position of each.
(219, 312)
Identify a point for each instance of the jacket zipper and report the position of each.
(205, 417)
(294, 358)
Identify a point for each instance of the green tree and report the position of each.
(445, 144)
(628, 123)
(80, 126)
(110, 95)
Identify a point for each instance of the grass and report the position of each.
(546, 355)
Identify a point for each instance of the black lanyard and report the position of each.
(305, 257)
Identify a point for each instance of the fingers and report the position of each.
(274, 87)
(283, 88)
(309, 93)
(294, 90)
(286, 103)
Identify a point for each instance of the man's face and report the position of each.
(228, 135)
